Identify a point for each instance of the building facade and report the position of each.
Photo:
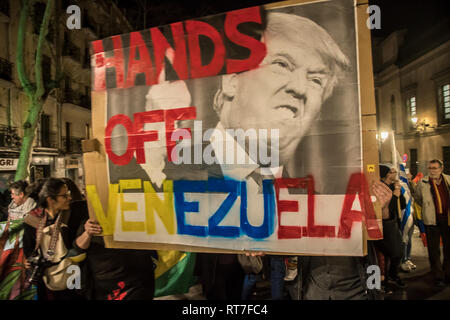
(412, 90)
(66, 116)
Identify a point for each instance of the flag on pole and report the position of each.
(407, 220)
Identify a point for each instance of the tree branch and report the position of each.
(40, 89)
(24, 81)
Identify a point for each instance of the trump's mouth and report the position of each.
(290, 110)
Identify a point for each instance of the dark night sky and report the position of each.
(395, 14)
(161, 12)
(413, 15)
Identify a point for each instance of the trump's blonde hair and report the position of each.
(305, 32)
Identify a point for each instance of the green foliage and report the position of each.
(8, 283)
(28, 294)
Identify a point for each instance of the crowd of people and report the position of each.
(300, 70)
(57, 227)
(58, 232)
(430, 198)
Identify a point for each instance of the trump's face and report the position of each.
(285, 92)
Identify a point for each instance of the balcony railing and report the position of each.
(5, 69)
(71, 145)
(47, 140)
(9, 138)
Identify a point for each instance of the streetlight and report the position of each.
(382, 136)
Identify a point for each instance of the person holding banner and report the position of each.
(432, 193)
(113, 274)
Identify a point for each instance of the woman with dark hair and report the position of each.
(74, 190)
(54, 199)
(78, 208)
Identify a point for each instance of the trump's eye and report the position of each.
(283, 63)
(317, 81)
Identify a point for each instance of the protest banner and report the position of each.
(249, 130)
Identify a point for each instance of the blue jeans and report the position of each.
(407, 247)
(277, 274)
(249, 284)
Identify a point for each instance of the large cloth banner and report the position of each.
(239, 131)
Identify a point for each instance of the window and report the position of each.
(445, 102)
(68, 135)
(411, 104)
(45, 131)
(409, 98)
(442, 82)
(411, 110)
